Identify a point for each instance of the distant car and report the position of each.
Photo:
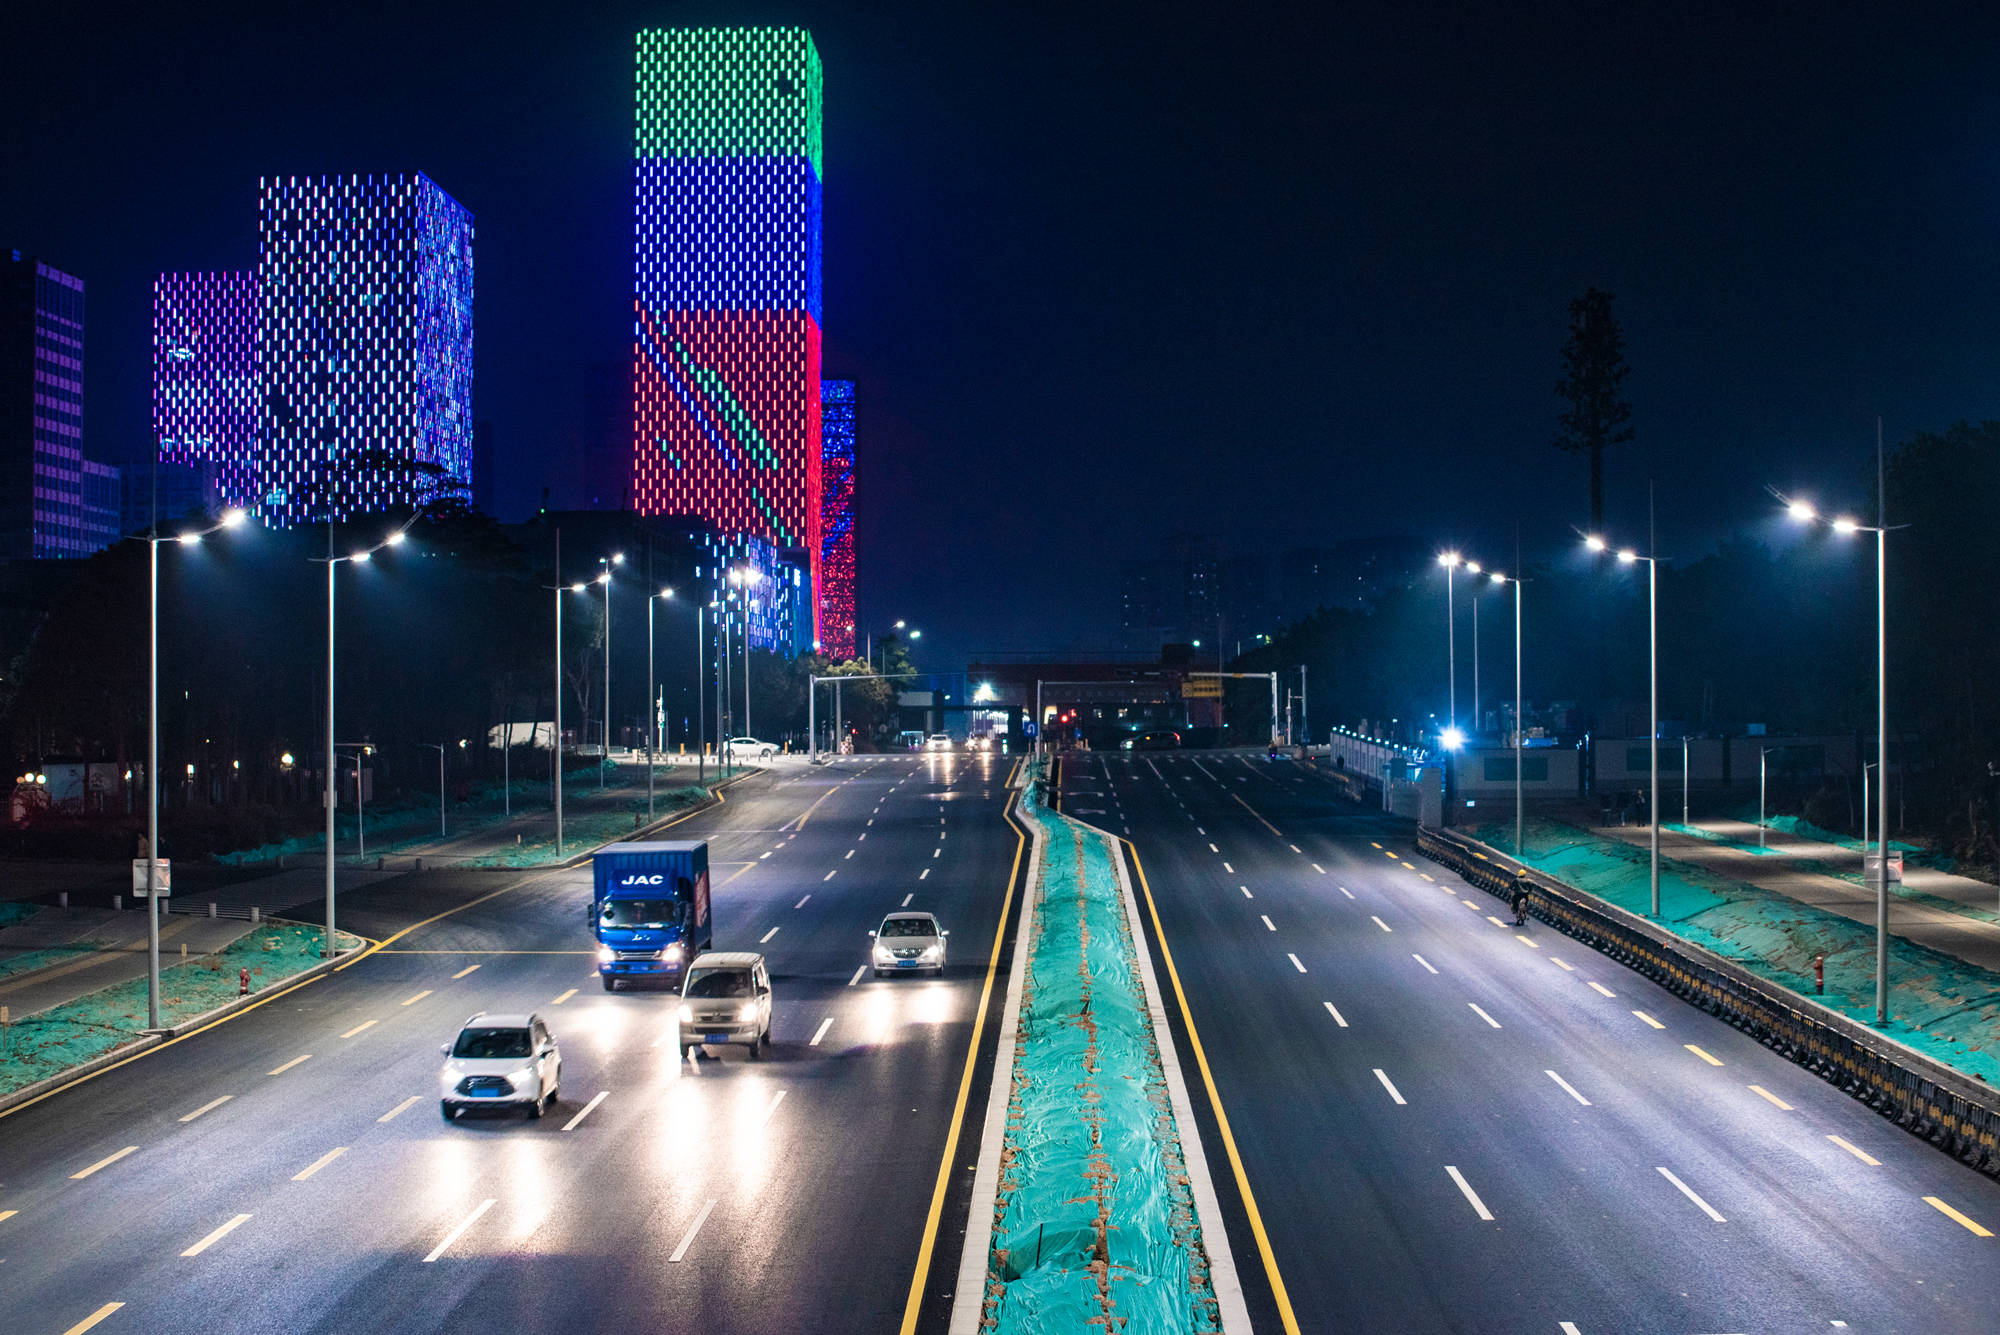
(1154, 741)
(752, 747)
(500, 1061)
(726, 999)
(939, 741)
(981, 743)
(908, 942)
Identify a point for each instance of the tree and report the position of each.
(1593, 387)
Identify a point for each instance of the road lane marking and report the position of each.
(1379, 923)
(1421, 960)
(1495, 921)
(850, 853)
(1316, 867)
(217, 1236)
(564, 997)
(5, 1215)
(1407, 866)
(93, 1319)
(462, 972)
(924, 875)
(1977, 1229)
(1203, 833)
(1428, 877)
(857, 975)
(1532, 946)
(210, 1106)
(1469, 904)
(585, 1110)
(1564, 965)
(1480, 1011)
(1231, 870)
(419, 997)
(936, 852)
(1701, 1054)
(820, 1032)
(1649, 1019)
(464, 1224)
(859, 837)
(1771, 1098)
(1296, 849)
(762, 856)
(1373, 844)
(907, 898)
(1856, 1151)
(1478, 1205)
(1570, 1090)
(1389, 1085)
(105, 1162)
(1569, 1328)
(400, 1108)
(1345, 891)
(1334, 1013)
(1288, 955)
(767, 936)
(1268, 924)
(694, 1228)
(1688, 1192)
(1246, 892)
(1213, 849)
(367, 1024)
(318, 1164)
(776, 1099)
(1601, 989)
(302, 1057)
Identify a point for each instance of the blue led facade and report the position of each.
(364, 345)
(778, 601)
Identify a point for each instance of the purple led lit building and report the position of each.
(205, 386)
(42, 504)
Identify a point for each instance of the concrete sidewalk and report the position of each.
(1950, 932)
(111, 949)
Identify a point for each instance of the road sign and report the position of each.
(139, 878)
(1202, 688)
(1873, 867)
(1029, 728)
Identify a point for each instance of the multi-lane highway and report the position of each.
(288, 1170)
(1447, 1123)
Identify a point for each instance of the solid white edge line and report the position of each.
(463, 1224)
(687, 1240)
(210, 1106)
(1337, 1017)
(1568, 1088)
(1466, 1188)
(1480, 1011)
(857, 975)
(1390, 1085)
(1688, 1192)
(820, 1032)
(217, 1236)
(585, 1110)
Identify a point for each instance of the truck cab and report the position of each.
(649, 911)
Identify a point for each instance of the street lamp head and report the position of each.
(618, 558)
(363, 556)
(1499, 578)
(1802, 511)
(1451, 739)
(916, 635)
(234, 517)
(1846, 525)
(604, 578)
(1626, 556)
(1595, 543)
(666, 593)
(899, 625)
(578, 587)
(396, 539)
(1447, 559)
(1472, 567)
(189, 539)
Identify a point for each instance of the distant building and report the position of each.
(42, 509)
(99, 513)
(364, 310)
(1172, 598)
(836, 559)
(184, 489)
(206, 394)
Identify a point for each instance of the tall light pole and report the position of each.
(652, 725)
(1847, 526)
(360, 557)
(1627, 556)
(1520, 821)
(604, 578)
(1762, 752)
(438, 747)
(231, 518)
(1472, 568)
(555, 742)
(1451, 561)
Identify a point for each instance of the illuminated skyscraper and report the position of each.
(364, 344)
(726, 283)
(206, 403)
(42, 512)
(836, 549)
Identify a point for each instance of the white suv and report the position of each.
(726, 999)
(908, 942)
(750, 746)
(500, 1061)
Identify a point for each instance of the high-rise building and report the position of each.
(102, 496)
(836, 543)
(726, 283)
(177, 491)
(364, 344)
(41, 412)
(206, 402)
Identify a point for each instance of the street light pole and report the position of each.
(700, 699)
(604, 578)
(1472, 568)
(1626, 557)
(1450, 561)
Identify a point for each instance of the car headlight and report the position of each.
(930, 952)
(672, 952)
(605, 954)
(747, 1011)
(522, 1078)
(882, 954)
(687, 1014)
(448, 1076)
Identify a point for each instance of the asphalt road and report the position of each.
(288, 1171)
(1450, 1124)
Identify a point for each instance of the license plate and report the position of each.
(906, 964)
(715, 1038)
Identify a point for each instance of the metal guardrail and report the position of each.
(1958, 1114)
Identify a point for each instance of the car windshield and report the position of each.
(638, 913)
(719, 983)
(488, 1044)
(908, 927)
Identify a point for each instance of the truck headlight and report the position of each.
(672, 952)
(605, 954)
(687, 1014)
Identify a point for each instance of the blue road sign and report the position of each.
(1030, 728)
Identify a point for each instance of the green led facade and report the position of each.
(729, 93)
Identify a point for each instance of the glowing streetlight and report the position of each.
(1627, 556)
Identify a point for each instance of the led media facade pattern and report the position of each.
(836, 550)
(726, 282)
(777, 601)
(364, 340)
(206, 402)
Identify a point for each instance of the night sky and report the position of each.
(1286, 275)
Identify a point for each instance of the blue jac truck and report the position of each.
(649, 911)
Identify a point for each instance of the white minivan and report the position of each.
(726, 999)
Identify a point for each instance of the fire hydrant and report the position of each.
(243, 983)
(1819, 974)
